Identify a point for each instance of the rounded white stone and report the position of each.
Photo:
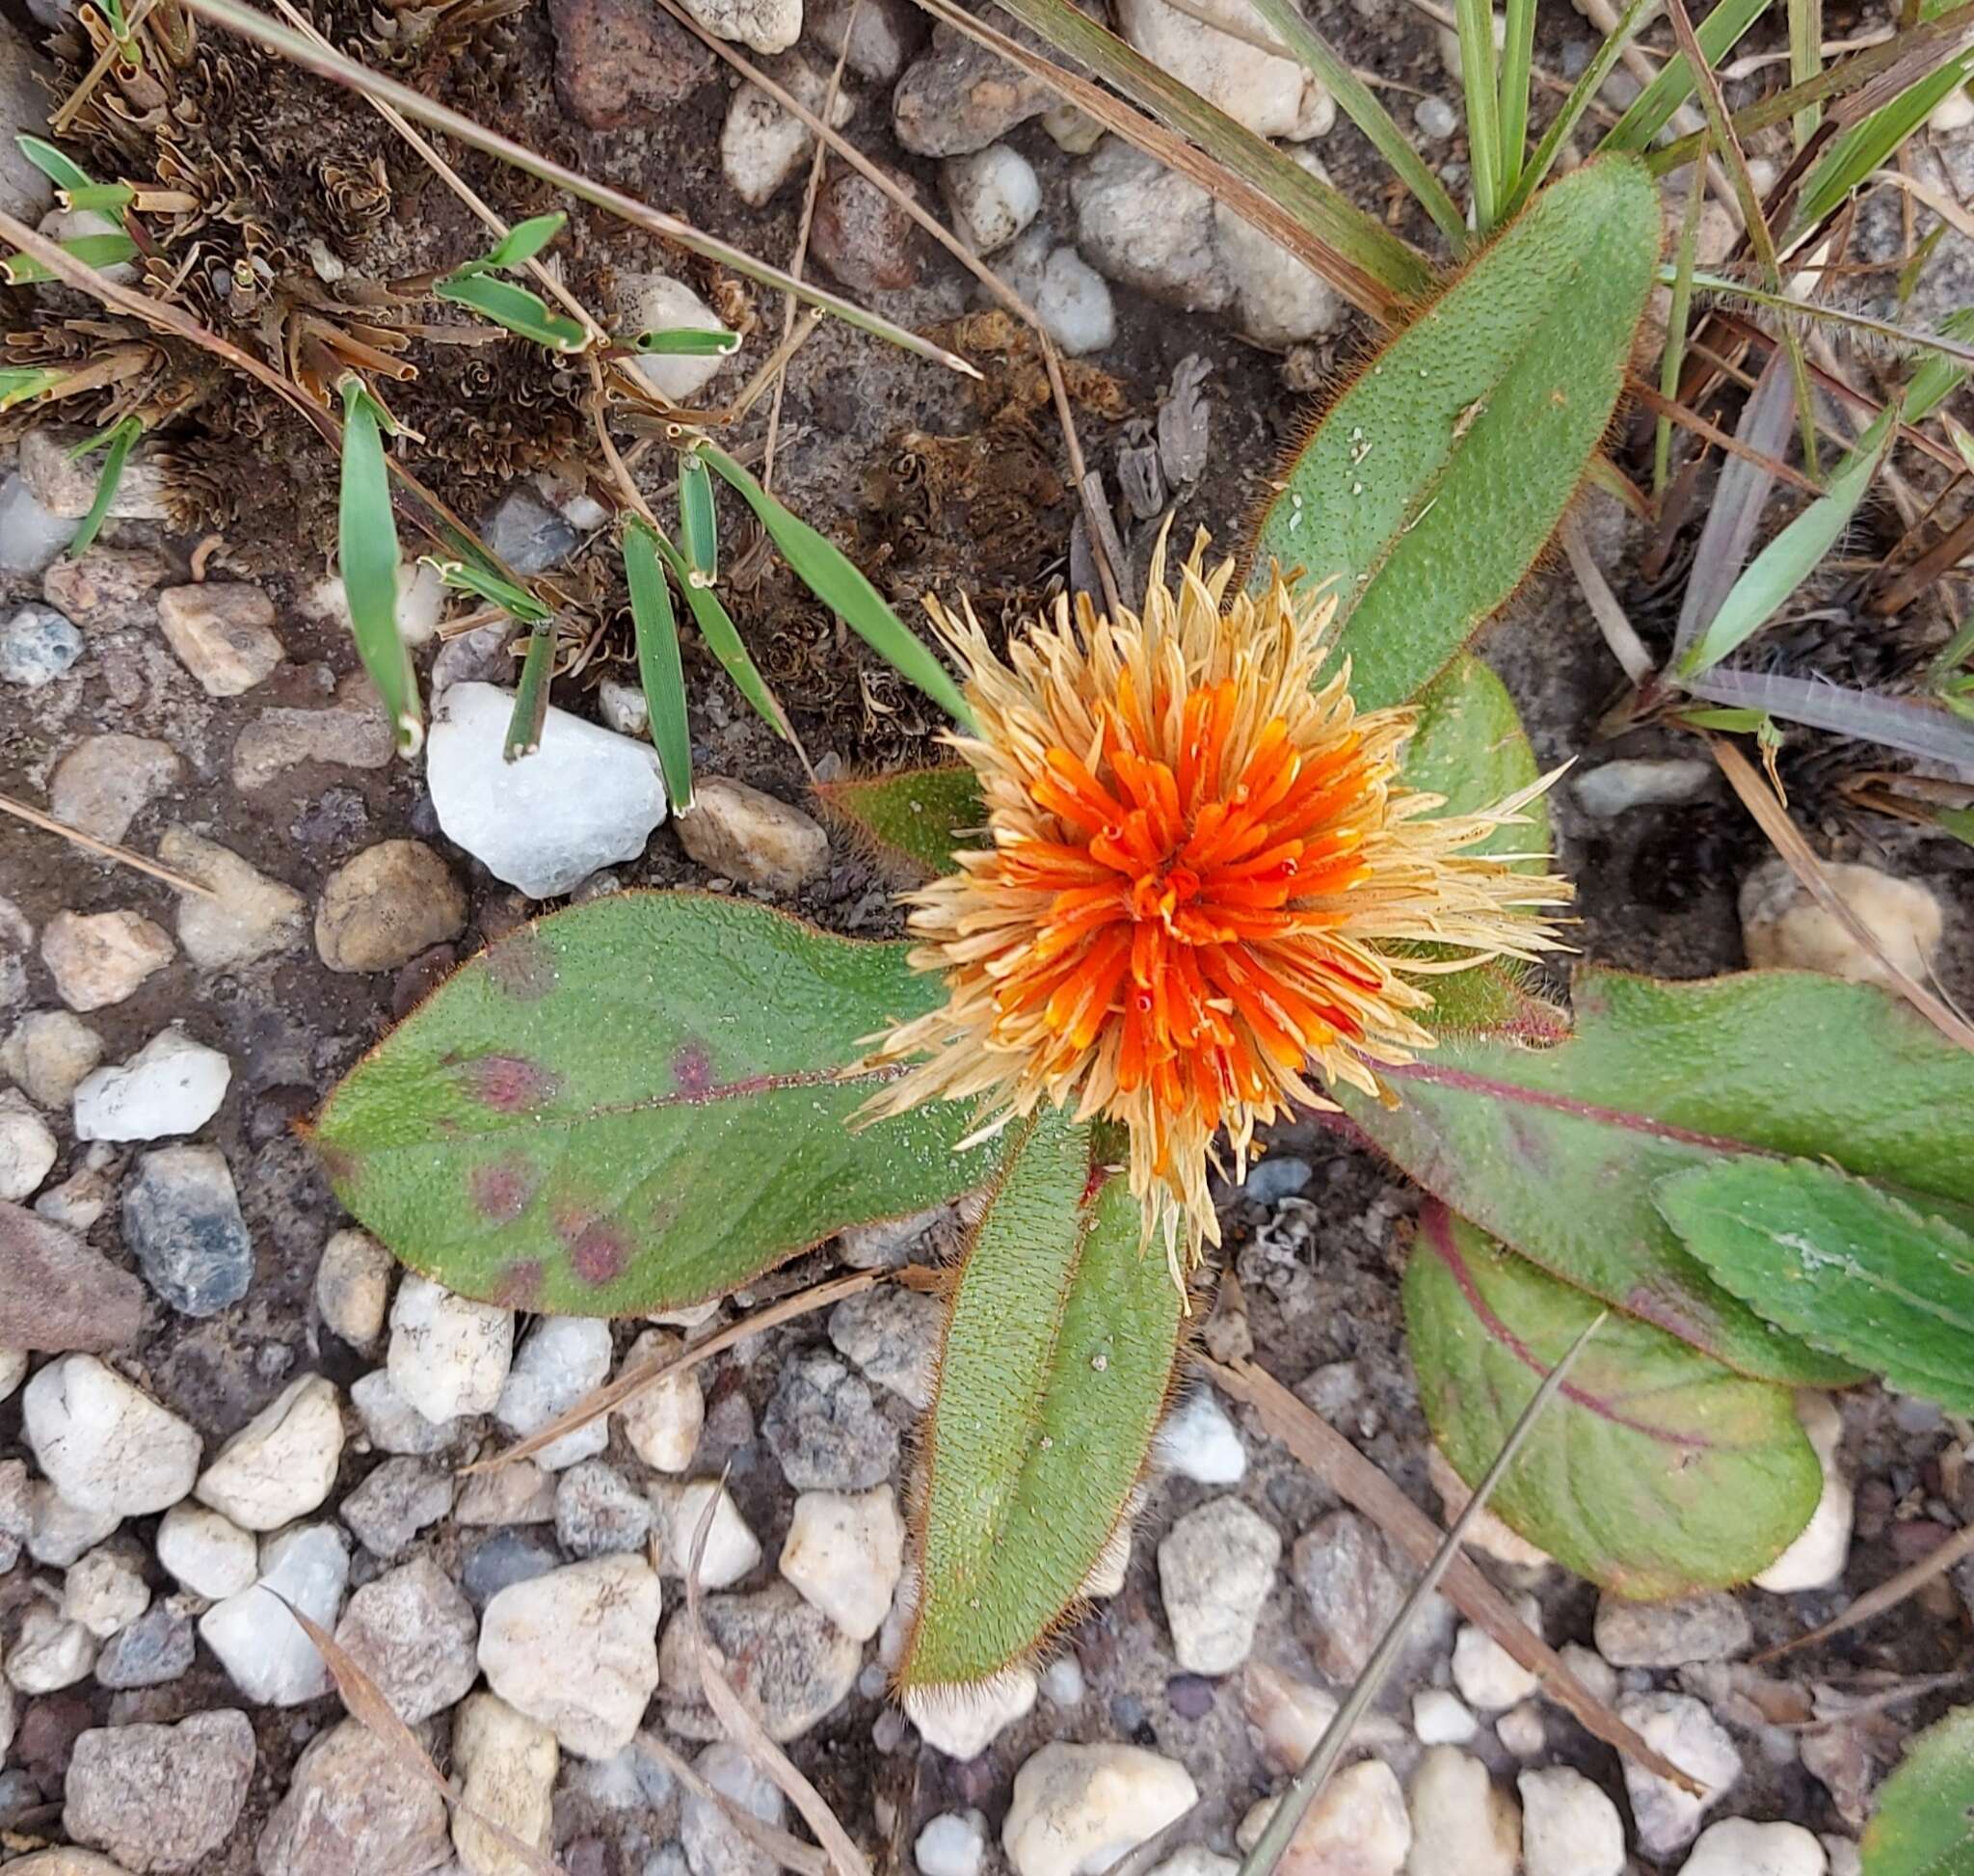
(1078, 1809)
(105, 1446)
(448, 1355)
(207, 1551)
(844, 1553)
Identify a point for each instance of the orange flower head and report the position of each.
(1204, 881)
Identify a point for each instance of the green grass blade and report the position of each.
(466, 576)
(658, 667)
(687, 342)
(508, 304)
(21, 383)
(366, 533)
(723, 639)
(60, 170)
(1518, 55)
(531, 694)
(829, 574)
(1673, 359)
(1855, 153)
(1951, 342)
(1651, 111)
(1536, 172)
(522, 242)
(96, 250)
(699, 524)
(1360, 104)
(110, 198)
(1474, 19)
(120, 439)
(1787, 561)
(1936, 379)
(1805, 60)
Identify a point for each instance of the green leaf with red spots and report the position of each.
(1058, 1358)
(1558, 1151)
(1655, 1472)
(916, 817)
(639, 1103)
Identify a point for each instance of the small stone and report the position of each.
(1954, 112)
(1782, 927)
(824, 1428)
(505, 1558)
(742, 834)
(49, 1653)
(30, 536)
(1440, 1719)
(714, 1844)
(283, 1463)
(1196, 1859)
(1435, 119)
(402, 1497)
(993, 194)
(518, 1493)
(58, 1532)
(959, 97)
(448, 1355)
(1078, 1809)
(963, 1722)
(257, 1641)
(357, 735)
(155, 1649)
(1598, 1676)
(36, 646)
(47, 1051)
(105, 782)
(206, 1552)
(12, 1372)
(624, 708)
(953, 1843)
(160, 1798)
(354, 1808)
(863, 237)
(1357, 1827)
(103, 1445)
(413, 1633)
(1062, 1682)
(99, 958)
(1846, 1859)
(64, 480)
(657, 303)
(1273, 96)
(762, 146)
(1817, 1557)
(1278, 301)
(599, 1514)
(102, 587)
(1462, 1823)
(251, 918)
(1569, 1826)
(1216, 1569)
(586, 798)
(844, 1554)
(506, 1765)
(662, 1420)
(76, 1204)
(352, 1287)
(882, 34)
(892, 1334)
(182, 1219)
(1669, 1634)
(527, 532)
(222, 634)
(1341, 1566)
(27, 1148)
(173, 1084)
(732, 1549)
(783, 1657)
(1199, 1442)
(574, 1649)
(1487, 1531)
(105, 1591)
(1147, 227)
(1488, 1677)
(1074, 303)
(1684, 1732)
(766, 25)
(384, 907)
(1281, 1175)
(1737, 1847)
(1522, 1729)
(620, 63)
(561, 1359)
(1610, 789)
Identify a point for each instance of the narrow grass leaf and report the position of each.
(64, 171)
(1789, 560)
(699, 524)
(522, 242)
(657, 628)
(119, 441)
(1937, 377)
(1673, 360)
(110, 198)
(1475, 20)
(366, 534)
(467, 577)
(723, 639)
(1855, 153)
(22, 384)
(531, 694)
(1518, 52)
(1651, 111)
(509, 303)
(829, 574)
(1536, 172)
(96, 250)
(1805, 60)
(1905, 723)
(687, 342)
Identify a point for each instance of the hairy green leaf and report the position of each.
(117, 441)
(658, 668)
(1924, 1823)
(637, 1104)
(1656, 1472)
(367, 532)
(1847, 1265)
(1557, 1151)
(687, 342)
(1435, 481)
(1058, 1358)
(520, 310)
(834, 579)
(917, 818)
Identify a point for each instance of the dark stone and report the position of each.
(509, 1556)
(60, 1296)
(863, 237)
(182, 1219)
(825, 1430)
(47, 1735)
(156, 1648)
(397, 1501)
(1190, 1696)
(620, 61)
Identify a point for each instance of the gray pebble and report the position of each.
(181, 1220)
(36, 646)
(824, 1428)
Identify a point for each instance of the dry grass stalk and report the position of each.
(109, 850)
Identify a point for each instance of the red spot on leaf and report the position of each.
(510, 1083)
(692, 1069)
(522, 966)
(501, 1189)
(1094, 1182)
(598, 1252)
(518, 1286)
